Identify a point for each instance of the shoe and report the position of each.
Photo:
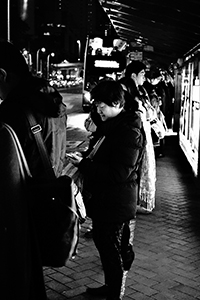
(88, 234)
(143, 210)
(128, 260)
(100, 291)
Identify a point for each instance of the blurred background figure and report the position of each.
(134, 80)
(158, 139)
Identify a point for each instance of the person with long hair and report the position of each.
(133, 80)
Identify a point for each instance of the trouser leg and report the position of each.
(107, 238)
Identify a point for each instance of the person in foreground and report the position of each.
(112, 180)
(22, 273)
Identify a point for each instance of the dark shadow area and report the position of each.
(189, 204)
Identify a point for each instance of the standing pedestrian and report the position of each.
(19, 90)
(134, 79)
(112, 177)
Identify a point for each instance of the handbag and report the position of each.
(157, 130)
(56, 218)
(73, 172)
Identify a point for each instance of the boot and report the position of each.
(128, 259)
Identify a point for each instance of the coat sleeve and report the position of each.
(119, 163)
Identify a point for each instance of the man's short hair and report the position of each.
(135, 66)
(11, 59)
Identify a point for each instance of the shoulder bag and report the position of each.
(57, 222)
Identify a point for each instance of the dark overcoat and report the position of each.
(112, 175)
(21, 274)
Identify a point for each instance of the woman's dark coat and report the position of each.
(112, 174)
(21, 267)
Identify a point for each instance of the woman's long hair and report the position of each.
(131, 93)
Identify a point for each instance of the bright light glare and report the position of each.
(24, 9)
(87, 96)
(106, 64)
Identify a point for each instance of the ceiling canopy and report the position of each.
(165, 29)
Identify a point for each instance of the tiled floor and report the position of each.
(167, 243)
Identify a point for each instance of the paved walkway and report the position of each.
(167, 243)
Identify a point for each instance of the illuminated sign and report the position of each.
(106, 64)
(136, 55)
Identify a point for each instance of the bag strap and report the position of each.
(36, 130)
(23, 165)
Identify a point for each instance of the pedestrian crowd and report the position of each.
(116, 174)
